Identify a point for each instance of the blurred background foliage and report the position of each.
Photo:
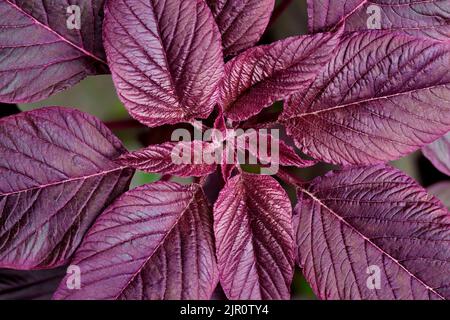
(97, 96)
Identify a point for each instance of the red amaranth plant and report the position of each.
(352, 97)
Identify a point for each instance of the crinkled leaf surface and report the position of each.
(167, 158)
(426, 19)
(165, 57)
(56, 175)
(376, 218)
(438, 153)
(40, 55)
(29, 285)
(254, 238)
(382, 96)
(442, 191)
(241, 22)
(262, 75)
(154, 242)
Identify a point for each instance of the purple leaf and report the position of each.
(167, 159)
(165, 58)
(372, 233)
(40, 55)
(262, 75)
(154, 242)
(241, 22)
(382, 96)
(439, 153)
(29, 285)
(426, 19)
(56, 175)
(442, 191)
(254, 238)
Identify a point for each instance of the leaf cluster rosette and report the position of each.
(352, 97)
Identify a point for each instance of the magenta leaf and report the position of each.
(372, 233)
(241, 22)
(40, 55)
(56, 175)
(382, 96)
(426, 19)
(165, 58)
(262, 75)
(29, 285)
(154, 242)
(254, 238)
(438, 153)
(168, 158)
(442, 191)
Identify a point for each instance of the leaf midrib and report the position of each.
(383, 252)
(39, 23)
(363, 101)
(161, 243)
(51, 184)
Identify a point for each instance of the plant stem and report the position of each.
(290, 178)
(165, 177)
(279, 11)
(124, 124)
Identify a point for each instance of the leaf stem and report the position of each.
(165, 177)
(124, 124)
(290, 178)
(279, 11)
